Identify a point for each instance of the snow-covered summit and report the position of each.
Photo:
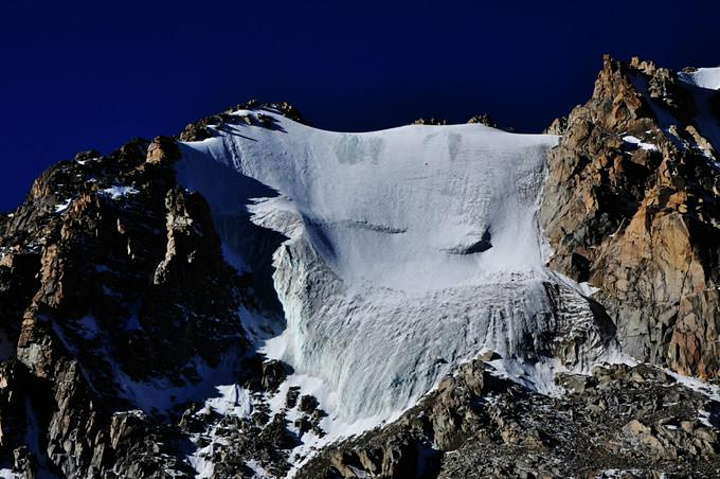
(373, 265)
(406, 251)
(402, 208)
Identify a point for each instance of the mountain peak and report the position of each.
(261, 298)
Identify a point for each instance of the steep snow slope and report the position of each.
(704, 83)
(403, 252)
(703, 77)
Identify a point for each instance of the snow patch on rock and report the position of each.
(63, 206)
(639, 143)
(116, 192)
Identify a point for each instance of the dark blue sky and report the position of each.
(77, 75)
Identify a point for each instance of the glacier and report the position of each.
(382, 260)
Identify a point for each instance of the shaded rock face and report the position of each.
(630, 205)
(112, 283)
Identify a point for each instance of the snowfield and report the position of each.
(393, 255)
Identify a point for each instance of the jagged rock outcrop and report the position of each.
(630, 205)
(119, 315)
(476, 424)
(203, 129)
(483, 119)
(100, 276)
(430, 121)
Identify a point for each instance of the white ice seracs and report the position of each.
(403, 252)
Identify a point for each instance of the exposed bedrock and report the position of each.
(631, 206)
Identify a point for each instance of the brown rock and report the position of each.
(163, 150)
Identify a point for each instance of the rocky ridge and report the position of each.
(116, 304)
(630, 207)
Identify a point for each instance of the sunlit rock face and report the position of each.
(630, 206)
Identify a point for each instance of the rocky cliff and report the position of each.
(117, 309)
(630, 206)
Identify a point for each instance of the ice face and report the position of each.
(395, 254)
(708, 78)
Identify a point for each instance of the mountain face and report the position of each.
(639, 162)
(261, 298)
